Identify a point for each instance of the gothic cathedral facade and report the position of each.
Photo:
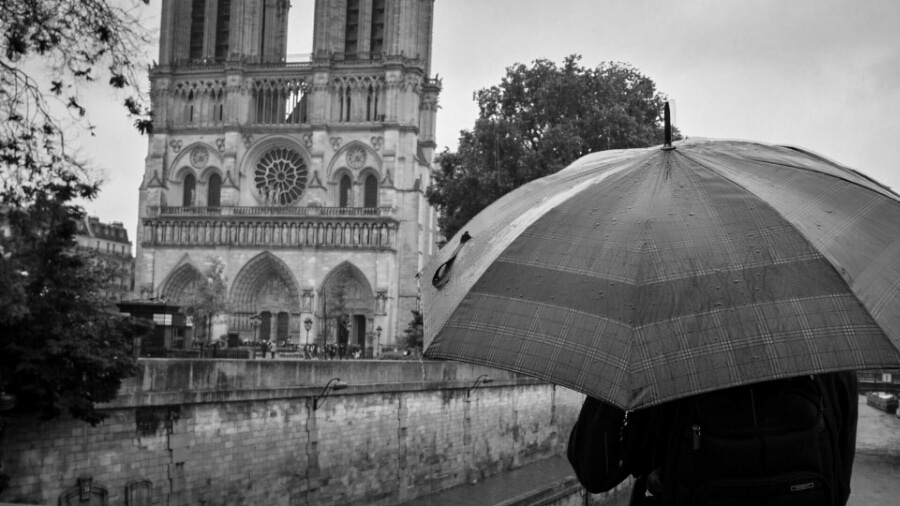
(307, 178)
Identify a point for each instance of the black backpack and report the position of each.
(768, 444)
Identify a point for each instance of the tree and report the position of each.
(414, 334)
(207, 297)
(336, 306)
(538, 120)
(63, 347)
(48, 50)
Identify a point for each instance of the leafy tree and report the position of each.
(63, 347)
(538, 120)
(414, 334)
(207, 297)
(48, 50)
(336, 306)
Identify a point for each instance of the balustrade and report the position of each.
(269, 94)
(155, 211)
(270, 233)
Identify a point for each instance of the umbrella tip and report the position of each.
(668, 127)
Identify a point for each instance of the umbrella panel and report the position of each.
(666, 280)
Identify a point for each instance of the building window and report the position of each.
(344, 97)
(281, 176)
(351, 33)
(214, 192)
(371, 191)
(190, 187)
(198, 17)
(376, 43)
(223, 21)
(344, 192)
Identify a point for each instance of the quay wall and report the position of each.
(241, 432)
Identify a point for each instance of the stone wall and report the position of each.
(244, 432)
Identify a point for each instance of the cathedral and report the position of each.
(307, 178)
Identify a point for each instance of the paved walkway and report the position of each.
(496, 489)
(875, 482)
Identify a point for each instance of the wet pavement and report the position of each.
(875, 481)
(876, 468)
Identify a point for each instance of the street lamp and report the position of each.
(307, 324)
(376, 349)
(484, 379)
(333, 384)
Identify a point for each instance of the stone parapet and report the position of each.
(188, 432)
(161, 382)
(265, 232)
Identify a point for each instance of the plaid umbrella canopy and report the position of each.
(642, 276)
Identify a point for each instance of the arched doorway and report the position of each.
(265, 300)
(346, 308)
(265, 325)
(180, 288)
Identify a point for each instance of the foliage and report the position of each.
(396, 355)
(335, 306)
(414, 335)
(207, 297)
(48, 50)
(63, 347)
(538, 120)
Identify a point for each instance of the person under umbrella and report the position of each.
(782, 442)
(647, 277)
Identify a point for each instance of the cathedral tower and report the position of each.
(307, 178)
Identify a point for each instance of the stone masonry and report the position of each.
(244, 432)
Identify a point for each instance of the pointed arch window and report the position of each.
(347, 99)
(351, 30)
(223, 22)
(376, 42)
(198, 21)
(371, 191)
(344, 192)
(190, 187)
(214, 191)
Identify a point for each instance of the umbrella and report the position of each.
(646, 275)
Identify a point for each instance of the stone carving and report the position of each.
(356, 157)
(336, 143)
(381, 302)
(377, 142)
(307, 300)
(176, 145)
(220, 143)
(307, 140)
(248, 140)
(274, 295)
(199, 157)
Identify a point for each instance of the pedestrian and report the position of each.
(785, 442)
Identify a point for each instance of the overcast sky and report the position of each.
(820, 74)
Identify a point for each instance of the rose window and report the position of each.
(280, 177)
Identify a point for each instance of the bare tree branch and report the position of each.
(48, 49)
